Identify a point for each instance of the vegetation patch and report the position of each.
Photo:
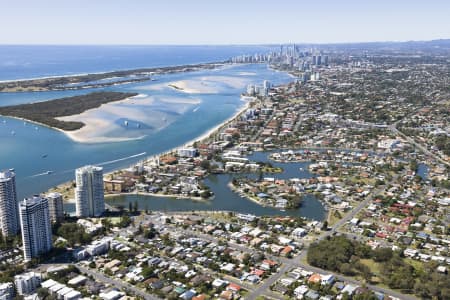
(47, 112)
(382, 265)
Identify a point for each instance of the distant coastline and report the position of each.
(97, 80)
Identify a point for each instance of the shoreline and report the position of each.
(50, 83)
(211, 131)
(147, 194)
(237, 191)
(152, 157)
(223, 64)
(199, 138)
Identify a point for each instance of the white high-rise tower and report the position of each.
(9, 213)
(36, 227)
(89, 196)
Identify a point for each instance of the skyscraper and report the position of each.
(89, 195)
(9, 213)
(55, 206)
(36, 227)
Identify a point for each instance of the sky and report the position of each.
(221, 21)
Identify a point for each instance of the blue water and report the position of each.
(228, 200)
(422, 171)
(33, 150)
(19, 62)
(24, 144)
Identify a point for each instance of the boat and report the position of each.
(301, 169)
(138, 125)
(44, 155)
(195, 109)
(13, 132)
(49, 172)
(125, 122)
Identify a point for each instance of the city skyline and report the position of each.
(201, 22)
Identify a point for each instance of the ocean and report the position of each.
(33, 150)
(22, 62)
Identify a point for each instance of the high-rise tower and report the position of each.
(89, 195)
(55, 206)
(9, 213)
(36, 227)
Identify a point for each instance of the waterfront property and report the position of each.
(35, 227)
(89, 197)
(9, 213)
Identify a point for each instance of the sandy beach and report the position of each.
(129, 119)
(207, 133)
(219, 126)
(212, 84)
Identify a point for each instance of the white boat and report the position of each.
(125, 122)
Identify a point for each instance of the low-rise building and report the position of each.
(6, 291)
(27, 283)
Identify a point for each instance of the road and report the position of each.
(117, 283)
(263, 289)
(394, 129)
(287, 264)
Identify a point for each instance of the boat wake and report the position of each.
(42, 174)
(99, 164)
(120, 159)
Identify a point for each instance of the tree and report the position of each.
(325, 225)
(346, 269)
(125, 221)
(331, 253)
(147, 272)
(106, 223)
(42, 293)
(73, 233)
(364, 271)
(205, 164)
(382, 254)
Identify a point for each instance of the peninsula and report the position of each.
(97, 80)
(47, 112)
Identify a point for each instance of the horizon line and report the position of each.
(226, 44)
